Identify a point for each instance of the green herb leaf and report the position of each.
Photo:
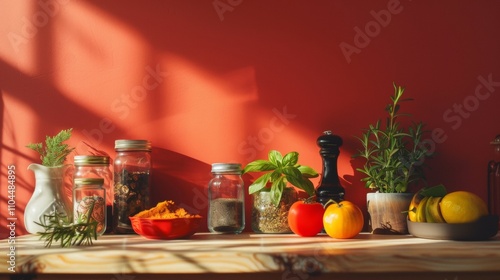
(293, 173)
(276, 175)
(58, 228)
(394, 155)
(55, 152)
(290, 159)
(280, 171)
(435, 191)
(294, 176)
(308, 186)
(259, 183)
(277, 191)
(307, 171)
(259, 166)
(275, 157)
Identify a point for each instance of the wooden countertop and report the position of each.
(284, 256)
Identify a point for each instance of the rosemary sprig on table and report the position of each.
(58, 228)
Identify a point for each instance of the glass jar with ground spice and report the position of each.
(226, 210)
(89, 202)
(270, 218)
(93, 166)
(132, 172)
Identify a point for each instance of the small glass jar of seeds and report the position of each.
(132, 171)
(226, 213)
(94, 166)
(89, 203)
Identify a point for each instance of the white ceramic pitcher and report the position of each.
(48, 196)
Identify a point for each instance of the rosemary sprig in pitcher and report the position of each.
(59, 229)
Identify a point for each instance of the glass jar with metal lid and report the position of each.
(132, 172)
(89, 202)
(494, 179)
(226, 213)
(95, 166)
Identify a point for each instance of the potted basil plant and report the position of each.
(393, 161)
(274, 193)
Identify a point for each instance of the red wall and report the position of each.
(229, 80)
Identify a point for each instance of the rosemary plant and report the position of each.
(58, 228)
(55, 151)
(393, 156)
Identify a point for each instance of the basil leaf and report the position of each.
(290, 159)
(277, 191)
(293, 172)
(294, 176)
(275, 175)
(259, 166)
(307, 171)
(259, 183)
(308, 186)
(275, 157)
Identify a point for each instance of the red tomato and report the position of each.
(343, 220)
(306, 218)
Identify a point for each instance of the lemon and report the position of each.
(462, 207)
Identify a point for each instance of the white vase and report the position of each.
(49, 196)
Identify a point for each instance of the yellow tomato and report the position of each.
(343, 220)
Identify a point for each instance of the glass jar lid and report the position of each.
(89, 181)
(226, 168)
(90, 160)
(132, 145)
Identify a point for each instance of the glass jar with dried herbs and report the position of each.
(274, 193)
(132, 172)
(89, 203)
(268, 217)
(97, 166)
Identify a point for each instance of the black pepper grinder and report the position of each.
(329, 186)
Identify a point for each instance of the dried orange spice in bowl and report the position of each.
(166, 210)
(165, 221)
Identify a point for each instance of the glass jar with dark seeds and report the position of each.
(132, 182)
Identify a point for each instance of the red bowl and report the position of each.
(165, 228)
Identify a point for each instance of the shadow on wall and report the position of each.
(184, 180)
(45, 101)
(181, 179)
(355, 190)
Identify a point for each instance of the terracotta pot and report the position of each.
(388, 212)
